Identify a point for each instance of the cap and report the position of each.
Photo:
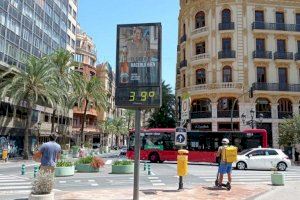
(225, 141)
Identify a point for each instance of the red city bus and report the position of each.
(158, 145)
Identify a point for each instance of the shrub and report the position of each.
(63, 163)
(95, 162)
(43, 184)
(123, 162)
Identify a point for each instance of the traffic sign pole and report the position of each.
(137, 155)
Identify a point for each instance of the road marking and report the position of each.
(10, 180)
(62, 181)
(155, 181)
(94, 184)
(15, 192)
(151, 177)
(176, 176)
(108, 162)
(158, 184)
(91, 180)
(24, 183)
(77, 181)
(15, 187)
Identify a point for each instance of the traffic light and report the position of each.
(251, 92)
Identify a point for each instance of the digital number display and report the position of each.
(143, 96)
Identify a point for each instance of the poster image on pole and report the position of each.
(138, 66)
(180, 137)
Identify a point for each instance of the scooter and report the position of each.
(227, 185)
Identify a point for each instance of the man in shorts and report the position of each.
(224, 167)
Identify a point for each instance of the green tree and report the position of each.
(106, 127)
(289, 132)
(164, 117)
(35, 85)
(89, 93)
(129, 118)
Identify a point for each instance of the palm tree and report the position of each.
(106, 127)
(119, 128)
(89, 92)
(35, 85)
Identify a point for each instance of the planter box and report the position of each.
(86, 168)
(277, 179)
(122, 169)
(64, 171)
(41, 196)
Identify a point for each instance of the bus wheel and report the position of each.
(154, 157)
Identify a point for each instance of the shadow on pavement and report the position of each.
(154, 191)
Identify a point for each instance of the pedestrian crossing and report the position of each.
(251, 176)
(10, 184)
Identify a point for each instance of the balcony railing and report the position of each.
(285, 115)
(266, 114)
(276, 26)
(200, 30)
(183, 63)
(276, 87)
(297, 56)
(227, 114)
(200, 56)
(201, 114)
(183, 38)
(226, 26)
(262, 54)
(226, 54)
(283, 55)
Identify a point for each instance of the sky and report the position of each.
(99, 19)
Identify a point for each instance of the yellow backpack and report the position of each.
(229, 154)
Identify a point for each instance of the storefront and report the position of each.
(201, 126)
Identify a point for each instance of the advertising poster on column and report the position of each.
(138, 73)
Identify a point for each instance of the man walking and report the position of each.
(224, 167)
(49, 153)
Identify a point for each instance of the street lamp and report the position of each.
(252, 122)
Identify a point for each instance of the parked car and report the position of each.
(262, 158)
(123, 150)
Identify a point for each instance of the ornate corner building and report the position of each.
(227, 47)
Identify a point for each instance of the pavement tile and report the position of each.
(238, 192)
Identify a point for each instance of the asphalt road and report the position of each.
(15, 186)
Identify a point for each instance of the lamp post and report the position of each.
(252, 122)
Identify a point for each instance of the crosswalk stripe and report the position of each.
(15, 192)
(24, 183)
(158, 184)
(15, 187)
(11, 180)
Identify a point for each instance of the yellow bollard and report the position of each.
(182, 166)
(4, 155)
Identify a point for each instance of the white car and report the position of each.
(123, 151)
(262, 158)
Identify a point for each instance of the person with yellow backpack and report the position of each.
(227, 155)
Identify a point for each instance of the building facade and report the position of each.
(86, 56)
(31, 28)
(227, 47)
(72, 25)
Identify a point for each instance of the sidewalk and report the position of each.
(288, 192)
(239, 192)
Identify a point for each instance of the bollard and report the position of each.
(23, 169)
(182, 166)
(149, 169)
(145, 166)
(36, 169)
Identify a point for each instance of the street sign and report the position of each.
(180, 137)
(185, 107)
(138, 72)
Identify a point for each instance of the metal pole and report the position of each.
(137, 154)
(252, 122)
(231, 113)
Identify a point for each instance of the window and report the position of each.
(27, 11)
(226, 16)
(280, 17)
(78, 58)
(13, 25)
(78, 43)
(2, 18)
(263, 105)
(298, 46)
(227, 76)
(261, 75)
(200, 48)
(200, 76)
(73, 43)
(70, 9)
(282, 76)
(26, 35)
(74, 14)
(298, 18)
(259, 16)
(15, 3)
(281, 46)
(38, 22)
(183, 29)
(200, 19)
(48, 9)
(183, 80)
(69, 24)
(201, 105)
(285, 105)
(226, 103)
(92, 62)
(260, 45)
(226, 44)
(271, 153)
(73, 29)
(258, 153)
(46, 119)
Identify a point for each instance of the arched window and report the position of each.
(226, 16)
(227, 74)
(263, 107)
(201, 105)
(200, 76)
(224, 107)
(200, 20)
(285, 108)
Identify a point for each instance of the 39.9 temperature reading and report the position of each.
(141, 96)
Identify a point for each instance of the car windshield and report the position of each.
(245, 151)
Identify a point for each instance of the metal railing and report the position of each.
(285, 115)
(201, 114)
(276, 26)
(226, 26)
(226, 54)
(283, 55)
(297, 56)
(262, 54)
(266, 114)
(276, 87)
(227, 113)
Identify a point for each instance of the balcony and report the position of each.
(262, 54)
(276, 87)
(183, 63)
(276, 26)
(283, 55)
(266, 114)
(200, 58)
(227, 114)
(199, 32)
(226, 26)
(285, 115)
(226, 54)
(183, 38)
(201, 114)
(297, 56)
(215, 86)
